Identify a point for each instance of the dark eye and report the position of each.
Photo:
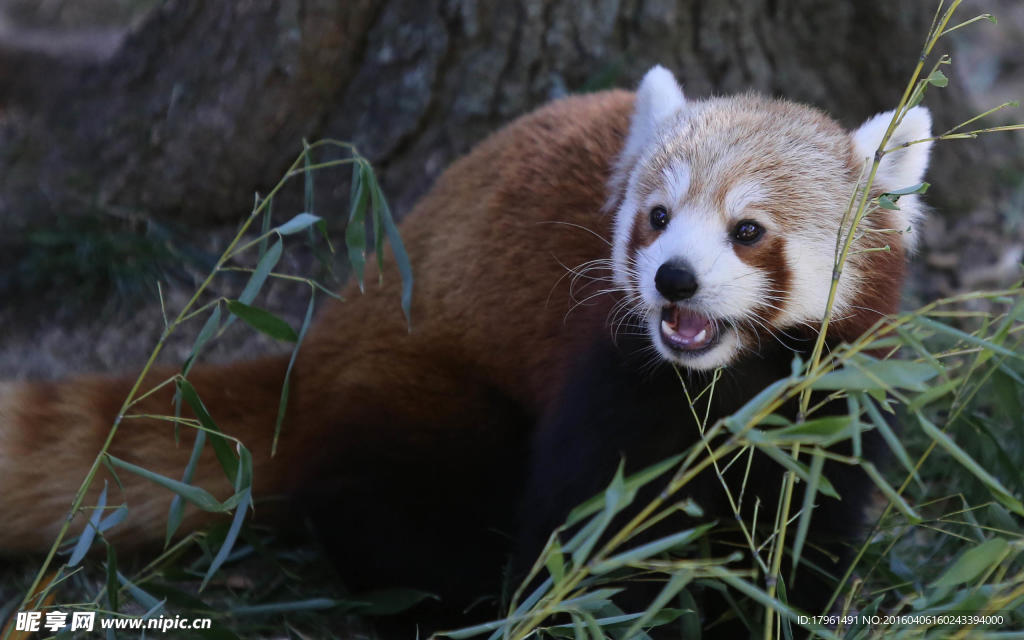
(747, 232)
(659, 217)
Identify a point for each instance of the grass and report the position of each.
(93, 256)
(947, 536)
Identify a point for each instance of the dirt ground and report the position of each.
(983, 249)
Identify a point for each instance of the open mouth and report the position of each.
(686, 330)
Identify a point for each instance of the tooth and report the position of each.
(700, 336)
(666, 328)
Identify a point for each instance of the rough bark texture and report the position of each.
(200, 105)
(205, 102)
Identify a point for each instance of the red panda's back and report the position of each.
(493, 248)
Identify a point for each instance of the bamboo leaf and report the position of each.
(895, 498)
(115, 518)
(633, 482)
(890, 437)
(307, 177)
(386, 224)
(299, 223)
(268, 211)
(825, 431)
(938, 79)
(263, 320)
(764, 599)
(555, 562)
(797, 467)
(974, 562)
(966, 337)
(147, 601)
(207, 332)
(738, 421)
(877, 375)
(932, 394)
(378, 202)
(230, 537)
(653, 548)
(259, 275)
(89, 533)
(177, 511)
(616, 497)
(227, 458)
(355, 231)
(244, 478)
(199, 497)
(886, 202)
(920, 187)
(607, 623)
(807, 510)
(998, 490)
(282, 405)
(475, 630)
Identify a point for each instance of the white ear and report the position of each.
(905, 167)
(902, 168)
(658, 99)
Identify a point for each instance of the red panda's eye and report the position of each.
(659, 217)
(747, 232)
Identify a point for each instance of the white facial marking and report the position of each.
(727, 290)
(621, 261)
(810, 270)
(676, 183)
(741, 196)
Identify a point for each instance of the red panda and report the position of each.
(708, 229)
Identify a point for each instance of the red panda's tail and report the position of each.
(51, 433)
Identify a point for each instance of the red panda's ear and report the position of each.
(658, 99)
(901, 167)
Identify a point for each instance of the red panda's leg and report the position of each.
(418, 483)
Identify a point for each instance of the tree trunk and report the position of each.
(205, 102)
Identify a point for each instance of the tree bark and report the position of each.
(204, 103)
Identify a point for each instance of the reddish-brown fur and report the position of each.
(490, 245)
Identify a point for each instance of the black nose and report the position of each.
(675, 281)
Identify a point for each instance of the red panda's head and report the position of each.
(728, 212)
